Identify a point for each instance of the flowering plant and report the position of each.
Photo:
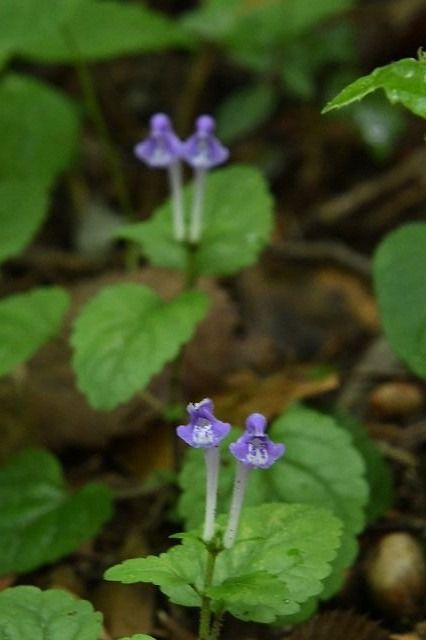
(258, 564)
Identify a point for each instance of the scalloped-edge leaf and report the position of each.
(27, 613)
(125, 335)
(399, 269)
(27, 321)
(41, 521)
(283, 550)
(237, 225)
(402, 81)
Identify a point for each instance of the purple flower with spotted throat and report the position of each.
(162, 150)
(204, 430)
(203, 150)
(162, 147)
(255, 449)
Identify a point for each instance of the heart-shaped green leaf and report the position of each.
(26, 613)
(41, 521)
(237, 225)
(27, 321)
(125, 335)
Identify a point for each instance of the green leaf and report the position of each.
(27, 321)
(399, 278)
(23, 207)
(307, 55)
(287, 550)
(41, 521)
(38, 129)
(378, 472)
(402, 81)
(26, 613)
(237, 225)
(263, 31)
(103, 29)
(245, 27)
(179, 572)
(27, 20)
(245, 110)
(139, 636)
(125, 335)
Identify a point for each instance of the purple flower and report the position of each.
(204, 430)
(203, 150)
(255, 449)
(162, 147)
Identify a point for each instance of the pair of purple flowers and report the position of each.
(202, 151)
(253, 450)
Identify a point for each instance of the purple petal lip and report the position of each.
(254, 448)
(204, 429)
(203, 150)
(162, 147)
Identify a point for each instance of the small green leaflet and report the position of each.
(41, 521)
(104, 29)
(26, 613)
(237, 225)
(125, 335)
(27, 321)
(282, 555)
(403, 81)
(38, 129)
(23, 207)
(399, 278)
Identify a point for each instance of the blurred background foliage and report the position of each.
(81, 77)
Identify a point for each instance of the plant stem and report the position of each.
(175, 180)
(205, 614)
(194, 85)
(94, 110)
(212, 456)
(236, 505)
(196, 224)
(216, 626)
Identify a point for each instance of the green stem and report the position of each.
(205, 614)
(94, 110)
(216, 626)
(196, 80)
(190, 267)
